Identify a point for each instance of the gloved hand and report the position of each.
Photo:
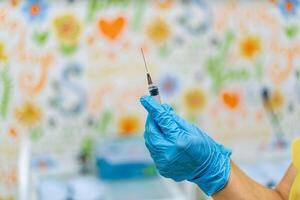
(181, 151)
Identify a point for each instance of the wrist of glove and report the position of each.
(181, 151)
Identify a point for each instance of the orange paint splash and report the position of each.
(250, 47)
(14, 3)
(129, 125)
(164, 4)
(35, 9)
(231, 99)
(289, 6)
(12, 132)
(112, 29)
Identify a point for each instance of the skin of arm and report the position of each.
(242, 187)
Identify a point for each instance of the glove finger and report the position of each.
(155, 141)
(167, 107)
(153, 135)
(154, 138)
(180, 122)
(162, 117)
(154, 108)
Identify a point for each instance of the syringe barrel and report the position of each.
(154, 92)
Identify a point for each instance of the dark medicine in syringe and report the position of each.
(153, 90)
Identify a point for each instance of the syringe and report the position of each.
(153, 89)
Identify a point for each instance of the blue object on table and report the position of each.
(125, 158)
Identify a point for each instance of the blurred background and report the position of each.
(71, 74)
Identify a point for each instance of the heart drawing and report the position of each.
(231, 99)
(111, 29)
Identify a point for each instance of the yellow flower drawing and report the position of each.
(129, 125)
(67, 29)
(28, 114)
(195, 99)
(277, 100)
(3, 56)
(158, 31)
(250, 46)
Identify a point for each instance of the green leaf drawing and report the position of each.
(105, 118)
(6, 93)
(216, 65)
(87, 146)
(40, 37)
(68, 50)
(36, 133)
(291, 31)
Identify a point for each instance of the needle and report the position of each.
(144, 60)
(148, 75)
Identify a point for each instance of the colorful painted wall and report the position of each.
(72, 70)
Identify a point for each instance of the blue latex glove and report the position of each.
(181, 151)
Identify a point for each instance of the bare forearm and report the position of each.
(242, 187)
